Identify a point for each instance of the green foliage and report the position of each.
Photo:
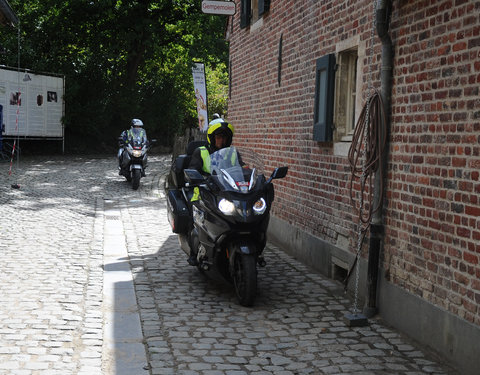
(122, 59)
(217, 89)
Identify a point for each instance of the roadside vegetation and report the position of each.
(121, 59)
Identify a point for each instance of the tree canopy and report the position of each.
(121, 59)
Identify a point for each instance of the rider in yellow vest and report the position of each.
(136, 131)
(219, 135)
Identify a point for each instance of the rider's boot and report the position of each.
(119, 157)
(120, 172)
(193, 243)
(192, 259)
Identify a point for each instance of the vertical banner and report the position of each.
(200, 87)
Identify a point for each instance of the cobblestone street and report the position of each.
(93, 281)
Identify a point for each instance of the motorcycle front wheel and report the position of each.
(245, 279)
(136, 173)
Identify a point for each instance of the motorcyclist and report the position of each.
(219, 135)
(136, 131)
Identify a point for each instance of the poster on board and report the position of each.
(200, 87)
(32, 104)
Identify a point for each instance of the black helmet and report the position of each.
(219, 126)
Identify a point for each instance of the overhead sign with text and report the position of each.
(218, 7)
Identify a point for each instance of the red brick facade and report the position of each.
(432, 209)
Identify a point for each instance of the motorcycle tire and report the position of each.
(245, 279)
(136, 174)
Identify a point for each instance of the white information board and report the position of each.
(32, 104)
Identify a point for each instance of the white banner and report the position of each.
(200, 87)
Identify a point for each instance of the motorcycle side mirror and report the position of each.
(280, 172)
(193, 176)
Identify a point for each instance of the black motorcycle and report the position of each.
(133, 158)
(226, 227)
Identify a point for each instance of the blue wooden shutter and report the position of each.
(245, 11)
(324, 99)
(263, 7)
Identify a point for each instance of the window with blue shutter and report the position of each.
(245, 13)
(263, 7)
(252, 10)
(324, 99)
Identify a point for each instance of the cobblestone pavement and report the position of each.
(53, 310)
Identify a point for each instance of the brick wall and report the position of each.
(433, 219)
(432, 243)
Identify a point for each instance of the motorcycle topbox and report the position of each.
(176, 171)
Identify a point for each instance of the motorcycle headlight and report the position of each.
(226, 206)
(137, 153)
(260, 206)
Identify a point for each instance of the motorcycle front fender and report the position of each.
(136, 166)
(242, 247)
(247, 249)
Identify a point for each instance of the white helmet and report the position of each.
(216, 121)
(137, 122)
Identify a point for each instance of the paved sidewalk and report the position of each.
(94, 282)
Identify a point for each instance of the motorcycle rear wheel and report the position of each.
(136, 174)
(245, 279)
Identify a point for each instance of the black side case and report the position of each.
(178, 215)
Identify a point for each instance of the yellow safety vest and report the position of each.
(205, 155)
(207, 162)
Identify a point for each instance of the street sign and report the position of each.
(218, 7)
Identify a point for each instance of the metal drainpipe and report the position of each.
(376, 230)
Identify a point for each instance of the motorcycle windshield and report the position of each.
(231, 173)
(137, 137)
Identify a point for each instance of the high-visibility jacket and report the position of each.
(205, 155)
(130, 134)
(206, 167)
(207, 164)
